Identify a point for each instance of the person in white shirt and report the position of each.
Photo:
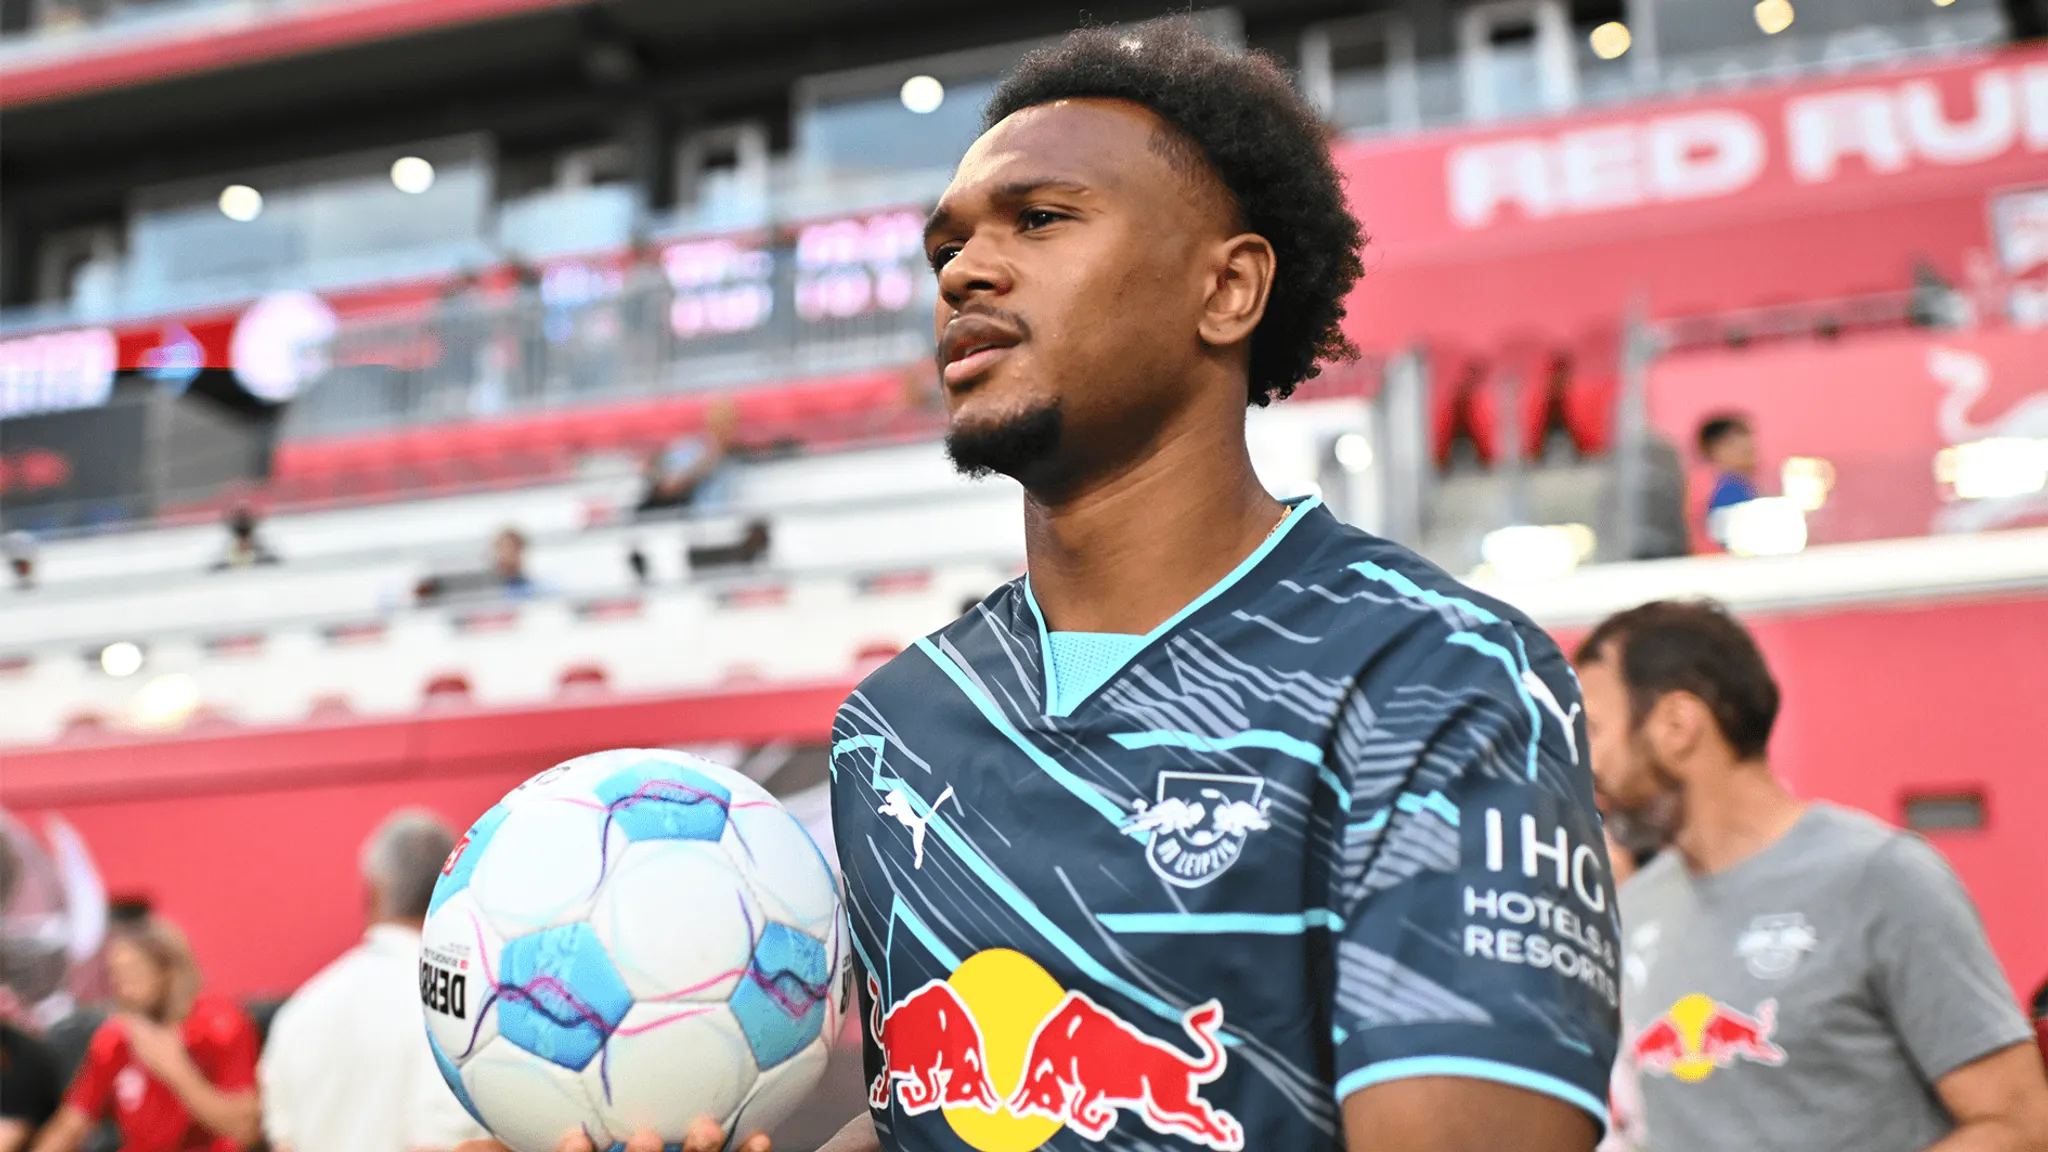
(347, 1067)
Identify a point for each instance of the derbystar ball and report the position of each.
(629, 941)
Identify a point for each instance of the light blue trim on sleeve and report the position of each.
(1296, 512)
(1472, 1068)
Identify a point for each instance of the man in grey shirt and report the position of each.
(1794, 975)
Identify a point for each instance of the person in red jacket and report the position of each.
(173, 1065)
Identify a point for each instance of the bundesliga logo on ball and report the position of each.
(628, 941)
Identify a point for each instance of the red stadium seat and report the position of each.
(447, 688)
(1590, 392)
(1452, 373)
(329, 706)
(583, 680)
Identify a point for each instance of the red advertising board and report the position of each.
(1879, 410)
(1798, 192)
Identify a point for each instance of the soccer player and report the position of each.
(1799, 975)
(1230, 826)
(175, 1066)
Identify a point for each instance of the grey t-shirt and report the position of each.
(1807, 997)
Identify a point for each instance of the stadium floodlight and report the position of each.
(1806, 481)
(1768, 526)
(1773, 16)
(1536, 551)
(1354, 452)
(166, 702)
(1998, 468)
(1943, 3)
(412, 175)
(241, 203)
(923, 94)
(121, 658)
(1610, 40)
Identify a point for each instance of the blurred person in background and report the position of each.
(29, 1084)
(1795, 975)
(29, 1088)
(508, 563)
(694, 470)
(348, 1068)
(505, 576)
(174, 1065)
(20, 548)
(1728, 446)
(2041, 1019)
(245, 549)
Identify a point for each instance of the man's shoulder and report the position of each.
(1393, 600)
(217, 1018)
(1651, 882)
(1847, 840)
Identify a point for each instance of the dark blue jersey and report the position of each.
(1329, 826)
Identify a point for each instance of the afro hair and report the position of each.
(1263, 142)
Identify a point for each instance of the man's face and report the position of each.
(1072, 256)
(1736, 452)
(1639, 797)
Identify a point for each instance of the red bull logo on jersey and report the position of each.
(1700, 1034)
(1011, 1058)
(1198, 824)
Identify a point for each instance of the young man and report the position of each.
(1231, 826)
(1728, 446)
(1797, 975)
(344, 1070)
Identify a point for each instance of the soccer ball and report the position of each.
(631, 940)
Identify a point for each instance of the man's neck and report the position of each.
(1124, 553)
(1732, 815)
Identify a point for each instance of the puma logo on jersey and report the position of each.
(1544, 696)
(897, 806)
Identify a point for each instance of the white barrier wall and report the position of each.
(869, 550)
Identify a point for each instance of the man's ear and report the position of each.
(1241, 280)
(1677, 725)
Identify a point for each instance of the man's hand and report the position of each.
(704, 1136)
(158, 1048)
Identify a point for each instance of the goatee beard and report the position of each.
(1647, 830)
(1010, 447)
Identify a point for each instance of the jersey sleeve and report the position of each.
(1477, 912)
(229, 1057)
(1941, 984)
(92, 1088)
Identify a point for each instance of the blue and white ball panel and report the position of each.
(457, 941)
(657, 799)
(790, 878)
(714, 944)
(550, 1099)
(662, 1054)
(456, 873)
(781, 1003)
(559, 997)
(453, 1078)
(545, 863)
(779, 1092)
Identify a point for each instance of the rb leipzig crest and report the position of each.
(1199, 823)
